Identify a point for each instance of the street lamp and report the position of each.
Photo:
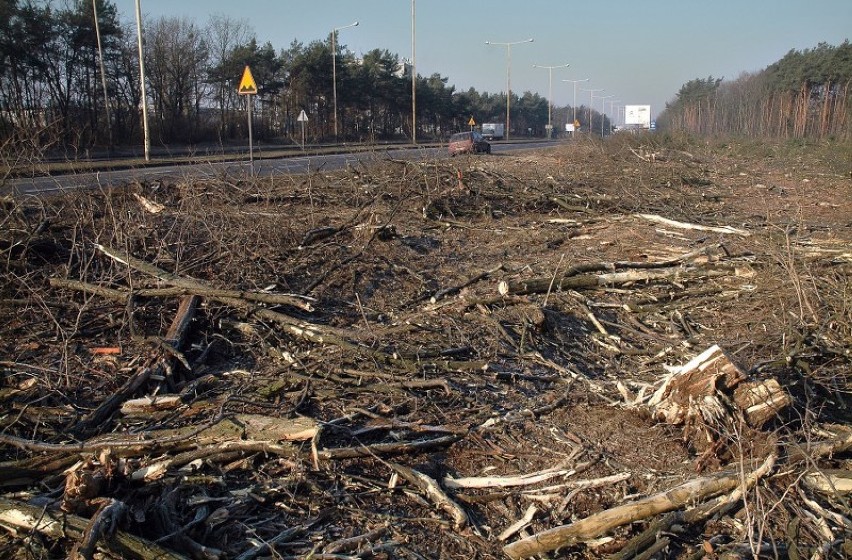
(603, 111)
(550, 92)
(508, 74)
(413, 73)
(574, 105)
(592, 102)
(611, 103)
(334, 69)
(146, 134)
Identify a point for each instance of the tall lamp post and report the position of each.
(413, 73)
(550, 93)
(603, 111)
(334, 69)
(147, 136)
(508, 74)
(591, 103)
(574, 105)
(612, 102)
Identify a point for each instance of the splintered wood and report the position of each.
(711, 397)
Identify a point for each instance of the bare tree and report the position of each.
(176, 58)
(224, 36)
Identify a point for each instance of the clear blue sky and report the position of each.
(642, 52)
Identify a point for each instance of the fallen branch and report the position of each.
(840, 443)
(123, 296)
(506, 481)
(242, 428)
(385, 449)
(429, 486)
(519, 524)
(302, 329)
(175, 337)
(595, 525)
(589, 281)
(685, 225)
(464, 284)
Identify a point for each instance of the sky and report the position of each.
(640, 52)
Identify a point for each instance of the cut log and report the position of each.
(149, 405)
(56, 526)
(830, 481)
(761, 401)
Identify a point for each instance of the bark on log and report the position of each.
(34, 469)
(595, 525)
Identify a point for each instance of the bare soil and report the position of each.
(399, 346)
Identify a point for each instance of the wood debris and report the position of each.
(345, 364)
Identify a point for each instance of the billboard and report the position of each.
(637, 115)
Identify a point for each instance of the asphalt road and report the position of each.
(260, 168)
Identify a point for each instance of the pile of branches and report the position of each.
(342, 365)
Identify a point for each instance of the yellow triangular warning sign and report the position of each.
(247, 85)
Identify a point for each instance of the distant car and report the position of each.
(468, 142)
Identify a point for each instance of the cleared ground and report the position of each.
(428, 334)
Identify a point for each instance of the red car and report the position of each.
(468, 142)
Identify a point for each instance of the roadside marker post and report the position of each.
(248, 87)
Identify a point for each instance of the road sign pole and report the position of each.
(251, 147)
(303, 136)
(248, 87)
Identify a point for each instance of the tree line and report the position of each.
(59, 90)
(806, 94)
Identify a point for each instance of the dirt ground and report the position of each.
(405, 358)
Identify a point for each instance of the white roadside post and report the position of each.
(303, 118)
